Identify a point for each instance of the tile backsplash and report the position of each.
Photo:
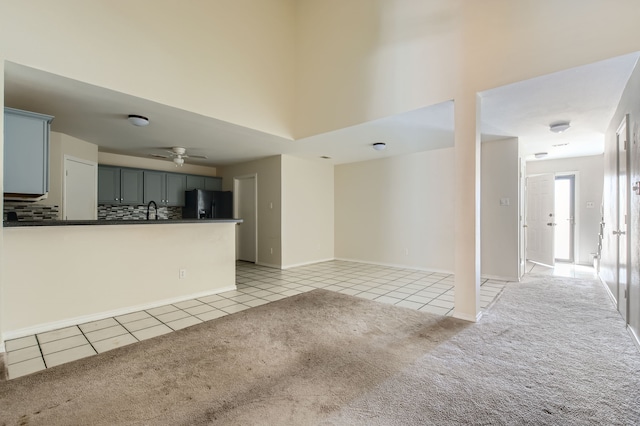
(119, 212)
(31, 212)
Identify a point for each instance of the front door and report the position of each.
(621, 225)
(540, 219)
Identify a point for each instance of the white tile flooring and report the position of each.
(256, 285)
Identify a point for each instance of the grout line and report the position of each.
(40, 349)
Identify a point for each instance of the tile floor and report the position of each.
(256, 285)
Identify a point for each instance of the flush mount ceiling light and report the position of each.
(559, 127)
(379, 146)
(541, 154)
(138, 120)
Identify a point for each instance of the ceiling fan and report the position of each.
(178, 154)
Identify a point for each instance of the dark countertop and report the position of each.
(20, 224)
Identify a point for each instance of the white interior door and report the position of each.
(80, 196)
(540, 219)
(621, 225)
(245, 189)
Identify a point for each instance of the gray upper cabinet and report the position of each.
(195, 182)
(212, 183)
(26, 152)
(155, 187)
(131, 188)
(176, 185)
(120, 185)
(108, 185)
(166, 189)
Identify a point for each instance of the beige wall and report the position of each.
(110, 159)
(307, 211)
(589, 178)
(628, 105)
(268, 174)
(98, 271)
(228, 59)
(377, 59)
(397, 211)
(500, 224)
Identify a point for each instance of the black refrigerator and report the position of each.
(203, 204)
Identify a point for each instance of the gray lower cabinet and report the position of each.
(166, 189)
(26, 152)
(118, 185)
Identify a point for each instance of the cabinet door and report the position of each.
(213, 183)
(176, 185)
(131, 187)
(108, 185)
(154, 187)
(195, 182)
(26, 153)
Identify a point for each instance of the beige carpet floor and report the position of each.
(551, 351)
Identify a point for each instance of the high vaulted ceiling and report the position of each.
(586, 96)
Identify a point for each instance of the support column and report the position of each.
(467, 207)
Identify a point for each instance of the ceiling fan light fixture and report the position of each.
(179, 161)
(138, 120)
(559, 127)
(379, 146)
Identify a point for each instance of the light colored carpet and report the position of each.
(552, 351)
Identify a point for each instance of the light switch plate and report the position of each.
(591, 204)
(505, 201)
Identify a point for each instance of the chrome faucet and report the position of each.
(155, 207)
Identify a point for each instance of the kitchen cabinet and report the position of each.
(118, 185)
(195, 182)
(209, 183)
(166, 189)
(26, 152)
(212, 183)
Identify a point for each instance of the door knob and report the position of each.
(551, 224)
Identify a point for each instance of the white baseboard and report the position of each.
(468, 317)
(268, 265)
(393, 265)
(312, 262)
(499, 278)
(634, 337)
(50, 326)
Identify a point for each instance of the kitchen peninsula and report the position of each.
(58, 273)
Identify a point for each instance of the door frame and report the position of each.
(236, 205)
(627, 226)
(64, 181)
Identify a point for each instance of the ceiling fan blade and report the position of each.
(199, 156)
(159, 156)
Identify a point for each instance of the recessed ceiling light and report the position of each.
(541, 154)
(138, 120)
(559, 127)
(379, 146)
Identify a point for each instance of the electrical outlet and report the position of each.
(182, 274)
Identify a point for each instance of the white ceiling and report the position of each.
(586, 96)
